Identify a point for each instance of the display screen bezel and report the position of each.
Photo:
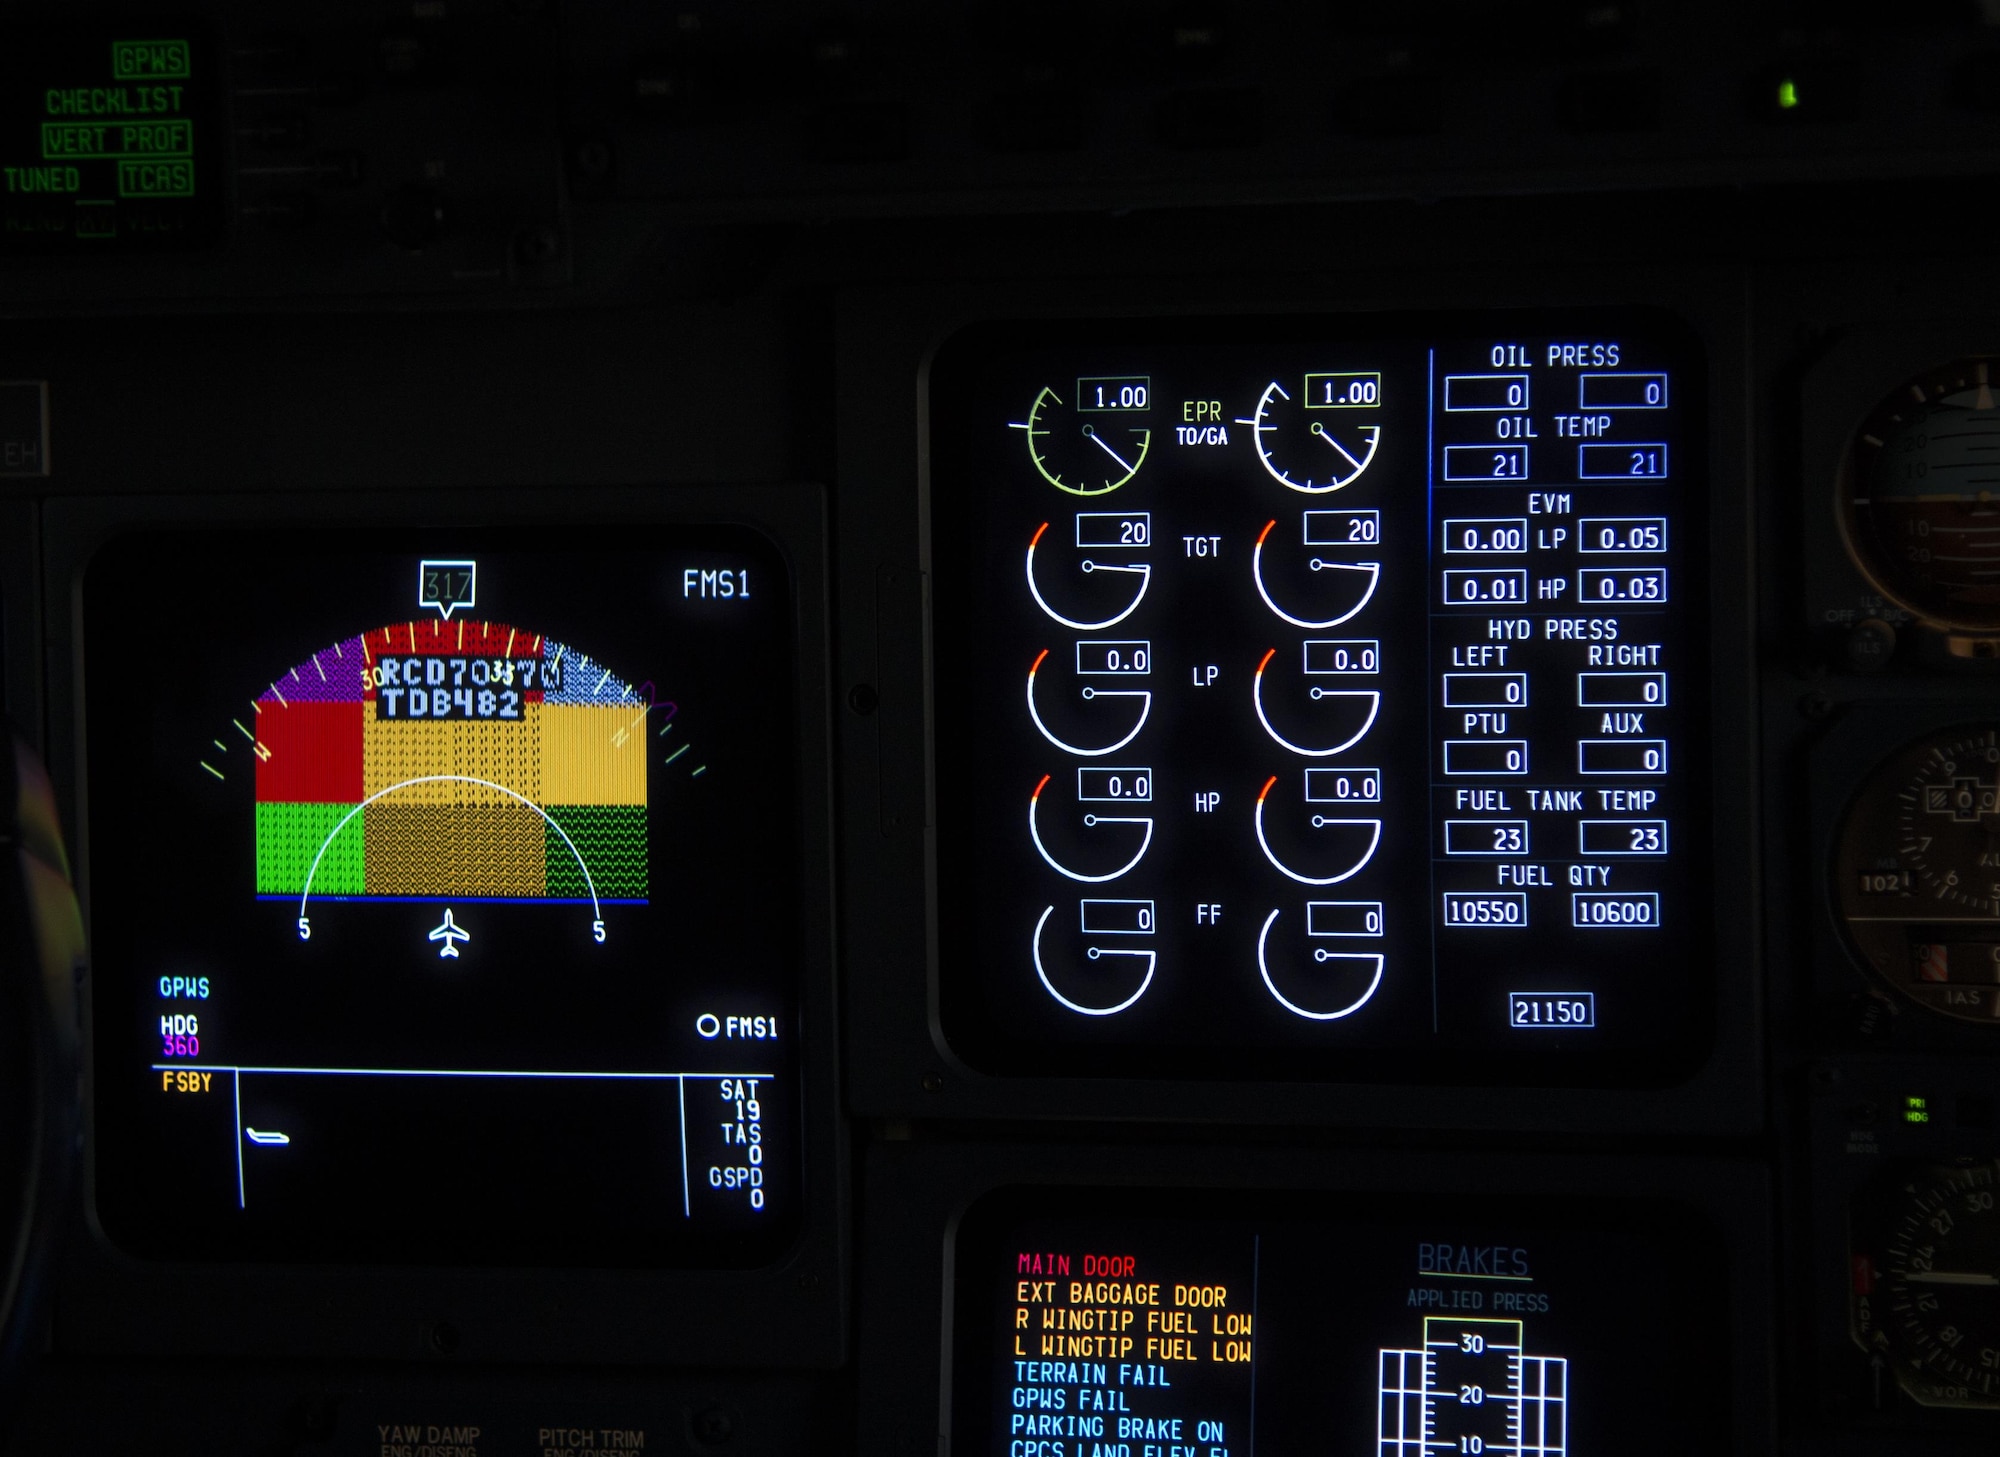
(789, 1308)
(122, 1141)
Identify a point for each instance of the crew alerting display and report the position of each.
(457, 898)
(1305, 689)
(1377, 1327)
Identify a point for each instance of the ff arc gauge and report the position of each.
(1925, 1283)
(1917, 872)
(1919, 497)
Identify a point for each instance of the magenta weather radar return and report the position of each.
(458, 881)
(1324, 698)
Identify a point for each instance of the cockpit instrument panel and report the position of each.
(1322, 698)
(445, 894)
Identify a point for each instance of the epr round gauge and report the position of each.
(1917, 872)
(1925, 1283)
(1090, 445)
(1320, 434)
(1919, 497)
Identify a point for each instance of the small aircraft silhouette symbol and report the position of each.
(451, 933)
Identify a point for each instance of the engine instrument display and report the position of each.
(1409, 1331)
(1917, 872)
(445, 896)
(1321, 698)
(1920, 502)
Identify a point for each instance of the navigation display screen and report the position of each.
(108, 141)
(1321, 699)
(444, 890)
(1513, 1330)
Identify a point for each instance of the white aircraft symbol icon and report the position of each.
(451, 933)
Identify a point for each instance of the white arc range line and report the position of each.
(306, 894)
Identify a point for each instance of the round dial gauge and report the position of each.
(1093, 447)
(1925, 1283)
(1321, 437)
(1917, 872)
(1920, 497)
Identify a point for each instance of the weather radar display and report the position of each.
(479, 942)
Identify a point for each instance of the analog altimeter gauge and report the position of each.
(1925, 1282)
(1917, 872)
(1919, 497)
(1093, 442)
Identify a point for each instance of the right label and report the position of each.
(1351, 702)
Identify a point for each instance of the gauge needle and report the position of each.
(1320, 431)
(1951, 1277)
(1098, 441)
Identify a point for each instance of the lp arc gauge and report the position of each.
(1323, 436)
(1094, 442)
(1920, 497)
(1925, 1283)
(1917, 872)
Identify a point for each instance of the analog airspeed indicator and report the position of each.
(1917, 872)
(1925, 1291)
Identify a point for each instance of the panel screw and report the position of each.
(713, 1426)
(932, 1083)
(863, 699)
(444, 1338)
(1815, 705)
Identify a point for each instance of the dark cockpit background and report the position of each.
(293, 305)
